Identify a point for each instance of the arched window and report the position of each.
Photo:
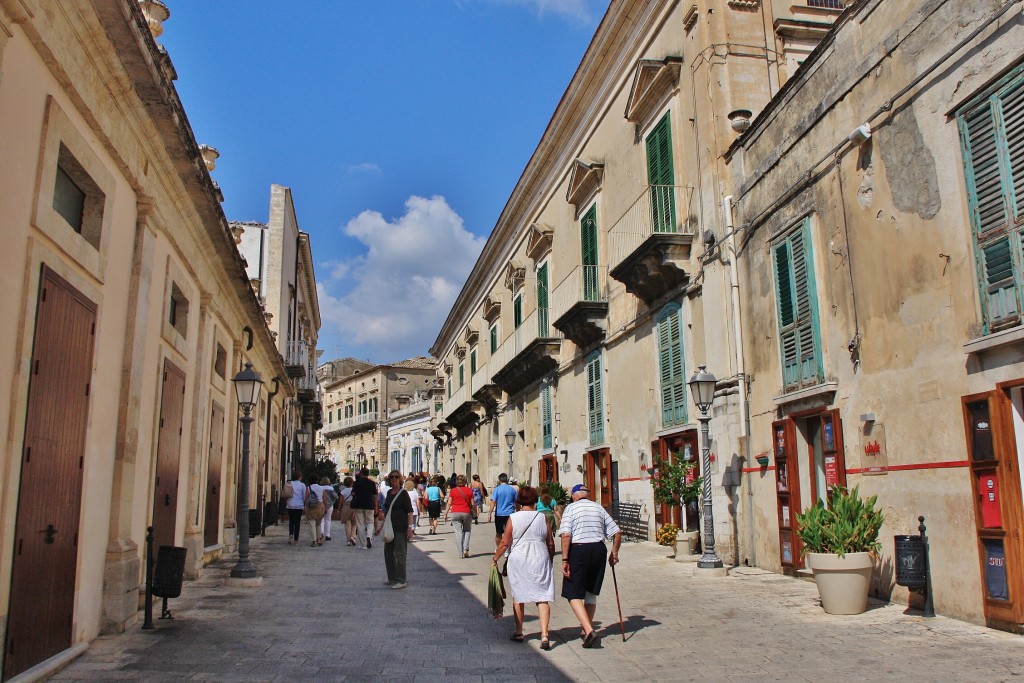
(671, 366)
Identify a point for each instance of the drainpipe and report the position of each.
(734, 282)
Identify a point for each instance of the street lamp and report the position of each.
(510, 441)
(302, 436)
(702, 387)
(247, 390)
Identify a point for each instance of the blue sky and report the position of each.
(401, 127)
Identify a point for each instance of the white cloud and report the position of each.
(575, 9)
(336, 270)
(400, 291)
(363, 168)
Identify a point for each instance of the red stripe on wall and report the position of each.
(915, 466)
(631, 479)
(749, 470)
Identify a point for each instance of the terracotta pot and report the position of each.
(843, 582)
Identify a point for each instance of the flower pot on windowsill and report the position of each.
(762, 460)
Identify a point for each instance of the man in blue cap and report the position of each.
(585, 527)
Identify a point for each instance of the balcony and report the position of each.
(529, 353)
(579, 305)
(296, 359)
(306, 386)
(350, 425)
(649, 247)
(461, 410)
(486, 392)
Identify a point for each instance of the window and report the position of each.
(472, 361)
(992, 133)
(449, 383)
(545, 416)
(177, 310)
(417, 459)
(588, 238)
(661, 177)
(494, 337)
(220, 361)
(517, 310)
(77, 198)
(798, 309)
(462, 374)
(543, 313)
(672, 367)
(595, 399)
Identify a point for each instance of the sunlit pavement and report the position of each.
(323, 614)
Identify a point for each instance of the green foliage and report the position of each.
(557, 492)
(374, 472)
(313, 471)
(672, 484)
(849, 525)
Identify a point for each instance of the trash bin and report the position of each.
(255, 520)
(911, 561)
(270, 513)
(169, 572)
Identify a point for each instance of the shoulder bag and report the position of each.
(504, 569)
(472, 505)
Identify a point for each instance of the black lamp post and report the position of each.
(702, 387)
(248, 384)
(302, 436)
(510, 441)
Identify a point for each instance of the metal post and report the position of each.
(510, 461)
(244, 569)
(709, 560)
(263, 514)
(147, 622)
(929, 607)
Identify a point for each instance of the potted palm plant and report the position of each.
(839, 542)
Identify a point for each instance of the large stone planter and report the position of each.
(843, 582)
(686, 544)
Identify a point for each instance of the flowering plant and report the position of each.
(667, 534)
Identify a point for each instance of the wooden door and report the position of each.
(681, 447)
(46, 536)
(787, 486)
(168, 456)
(211, 530)
(995, 483)
(548, 468)
(598, 476)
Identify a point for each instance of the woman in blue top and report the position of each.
(434, 497)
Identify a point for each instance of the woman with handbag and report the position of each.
(462, 510)
(396, 520)
(530, 548)
(316, 506)
(348, 516)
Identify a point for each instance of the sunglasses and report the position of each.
(394, 476)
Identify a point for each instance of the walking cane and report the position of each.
(622, 624)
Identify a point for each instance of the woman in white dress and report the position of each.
(530, 547)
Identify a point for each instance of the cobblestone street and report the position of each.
(323, 614)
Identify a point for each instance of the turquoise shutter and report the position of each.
(588, 238)
(517, 311)
(595, 400)
(661, 178)
(543, 313)
(798, 319)
(462, 374)
(494, 338)
(673, 373)
(545, 416)
(992, 135)
(472, 362)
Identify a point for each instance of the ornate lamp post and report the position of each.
(248, 384)
(510, 441)
(702, 387)
(302, 436)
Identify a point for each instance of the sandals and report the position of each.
(516, 637)
(545, 644)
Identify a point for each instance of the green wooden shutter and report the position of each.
(595, 400)
(517, 311)
(661, 178)
(472, 362)
(673, 372)
(588, 238)
(798, 317)
(543, 314)
(494, 338)
(462, 374)
(545, 415)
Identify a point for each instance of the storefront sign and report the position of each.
(995, 570)
(831, 471)
(875, 459)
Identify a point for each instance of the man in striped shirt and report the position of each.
(585, 526)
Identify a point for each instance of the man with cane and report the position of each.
(585, 527)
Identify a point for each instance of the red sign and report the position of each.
(831, 471)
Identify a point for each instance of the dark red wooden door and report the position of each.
(213, 476)
(168, 455)
(53, 453)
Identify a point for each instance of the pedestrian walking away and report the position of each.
(584, 529)
(434, 497)
(296, 504)
(460, 501)
(315, 508)
(348, 517)
(479, 493)
(396, 519)
(503, 504)
(414, 498)
(330, 498)
(530, 547)
(364, 507)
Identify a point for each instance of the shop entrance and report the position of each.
(994, 425)
(673, 449)
(809, 461)
(547, 468)
(211, 526)
(598, 476)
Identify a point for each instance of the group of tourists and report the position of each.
(526, 522)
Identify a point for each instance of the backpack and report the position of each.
(289, 491)
(332, 496)
(311, 500)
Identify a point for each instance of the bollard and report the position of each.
(147, 622)
(929, 606)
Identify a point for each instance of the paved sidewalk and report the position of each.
(324, 615)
